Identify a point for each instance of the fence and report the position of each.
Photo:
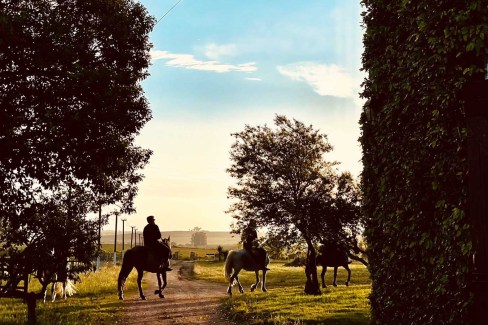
(10, 278)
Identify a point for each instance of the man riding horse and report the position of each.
(152, 237)
(248, 238)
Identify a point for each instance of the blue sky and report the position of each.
(218, 65)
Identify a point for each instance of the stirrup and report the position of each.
(165, 268)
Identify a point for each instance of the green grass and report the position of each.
(95, 302)
(286, 302)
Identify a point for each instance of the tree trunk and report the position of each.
(31, 300)
(312, 285)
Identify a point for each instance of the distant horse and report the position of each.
(61, 277)
(63, 284)
(242, 259)
(333, 256)
(144, 258)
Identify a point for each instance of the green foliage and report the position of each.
(70, 108)
(419, 55)
(285, 184)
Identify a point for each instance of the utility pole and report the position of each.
(131, 234)
(115, 241)
(99, 235)
(123, 235)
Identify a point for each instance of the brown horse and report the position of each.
(333, 256)
(148, 259)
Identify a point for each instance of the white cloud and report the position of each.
(253, 79)
(326, 80)
(216, 52)
(188, 61)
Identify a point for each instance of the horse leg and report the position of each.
(53, 292)
(64, 290)
(123, 274)
(322, 275)
(45, 293)
(121, 289)
(348, 274)
(165, 282)
(140, 273)
(241, 289)
(255, 285)
(121, 285)
(231, 283)
(159, 291)
(263, 286)
(335, 276)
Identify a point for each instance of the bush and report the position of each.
(419, 56)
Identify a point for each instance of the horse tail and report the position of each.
(127, 265)
(70, 288)
(228, 265)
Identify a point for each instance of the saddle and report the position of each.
(156, 258)
(258, 254)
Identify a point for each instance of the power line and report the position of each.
(167, 12)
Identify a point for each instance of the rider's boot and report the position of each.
(165, 266)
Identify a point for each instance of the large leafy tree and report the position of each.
(286, 185)
(70, 108)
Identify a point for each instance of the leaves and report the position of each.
(419, 56)
(70, 108)
(284, 183)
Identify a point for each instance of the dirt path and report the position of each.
(186, 301)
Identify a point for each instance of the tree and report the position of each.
(284, 183)
(70, 108)
(198, 237)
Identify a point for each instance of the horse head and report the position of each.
(167, 242)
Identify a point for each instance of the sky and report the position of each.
(218, 65)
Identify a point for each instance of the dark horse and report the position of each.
(333, 256)
(144, 258)
(242, 259)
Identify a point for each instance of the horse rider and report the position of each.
(248, 238)
(152, 237)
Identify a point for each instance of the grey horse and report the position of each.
(242, 259)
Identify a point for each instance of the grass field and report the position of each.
(95, 302)
(286, 302)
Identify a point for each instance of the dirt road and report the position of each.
(186, 301)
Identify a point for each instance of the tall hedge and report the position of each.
(419, 56)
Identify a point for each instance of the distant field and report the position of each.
(180, 252)
(181, 238)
